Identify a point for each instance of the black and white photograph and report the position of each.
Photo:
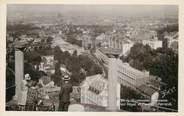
(92, 57)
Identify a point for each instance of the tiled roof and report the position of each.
(110, 51)
(97, 86)
(146, 90)
(96, 83)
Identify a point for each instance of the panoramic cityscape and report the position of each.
(92, 58)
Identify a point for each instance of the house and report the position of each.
(94, 91)
(154, 44)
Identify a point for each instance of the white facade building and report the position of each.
(94, 91)
(131, 77)
(154, 44)
(120, 42)
(126, 47)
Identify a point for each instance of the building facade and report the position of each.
(131, 77)
(120, 42)
(94, 91)
(154, 44)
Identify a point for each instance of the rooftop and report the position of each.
(97, 86)
(147, 90)
(96, 83)
(111, 51)
(136, 72)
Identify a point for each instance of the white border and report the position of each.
(3, 4)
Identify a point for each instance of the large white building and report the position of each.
(126, 46)
(94, 91)
(154, 44)
(131, 77)
(118, 41)
(152, 41)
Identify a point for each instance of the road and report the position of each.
(66, 46)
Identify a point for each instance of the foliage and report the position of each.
(10, 82)
(71, 39)
(49, 39)
(74, 64)
(160, 62)
(129, 94)
(17, 30)
(33, 57)
(35, 75)
(168, 28)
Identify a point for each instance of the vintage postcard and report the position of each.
(92, 57)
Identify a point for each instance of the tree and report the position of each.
(33, 57)
(129, 94)
(160, 62)
(29, 68)
(168, 28)
(95, 69)
(75, 53)
(49, 39)
(139, 56)
(57, 53)
(10, 83)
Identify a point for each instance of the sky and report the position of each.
(86, 12)
(94, 10)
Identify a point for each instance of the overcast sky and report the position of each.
(95, 10)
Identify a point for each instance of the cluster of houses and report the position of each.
(94, 89)
(120, 42)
